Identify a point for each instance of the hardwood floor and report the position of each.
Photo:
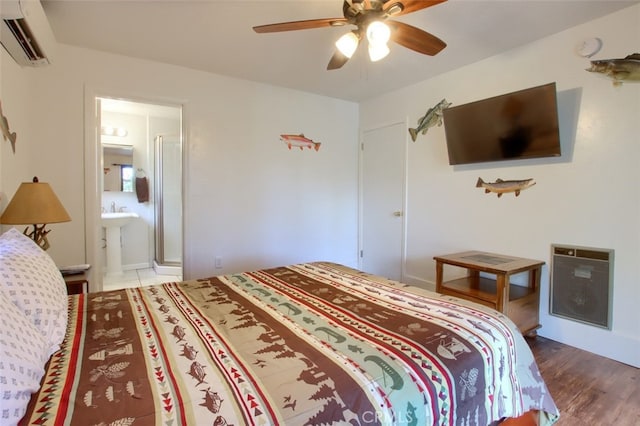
(587, 388)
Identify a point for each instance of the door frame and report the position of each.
(403, 237)
(93, 178)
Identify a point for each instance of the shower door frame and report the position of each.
(159, 243)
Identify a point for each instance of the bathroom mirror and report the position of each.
(118, 167)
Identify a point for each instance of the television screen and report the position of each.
(518, 125)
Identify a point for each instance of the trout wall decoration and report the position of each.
(504, 186)
(431, 118)
(300, 141)
(626, 69)
(6, 133)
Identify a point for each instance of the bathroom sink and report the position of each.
(112, 223)
(118, 219)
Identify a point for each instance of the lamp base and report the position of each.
(38, 235)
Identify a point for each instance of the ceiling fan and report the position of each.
(371, 20)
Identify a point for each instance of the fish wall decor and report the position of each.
(626, 69)
(6, 133)
(504, 186)
(432, 118)
(300, 141)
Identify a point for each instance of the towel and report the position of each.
(142, 189)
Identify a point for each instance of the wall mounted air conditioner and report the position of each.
(25, 32)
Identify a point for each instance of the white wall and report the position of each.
(589, 197)
(248, 199)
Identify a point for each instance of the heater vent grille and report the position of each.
(581, 284)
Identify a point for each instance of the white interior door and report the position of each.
(382, 200)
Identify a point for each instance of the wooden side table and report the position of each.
(76, 283)
(519, 303)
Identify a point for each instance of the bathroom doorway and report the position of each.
(146, 184)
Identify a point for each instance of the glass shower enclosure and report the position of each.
(168, 205)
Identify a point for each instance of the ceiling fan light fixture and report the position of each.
(378, 51)
(378, 33)
(347, 44)
(370, 17)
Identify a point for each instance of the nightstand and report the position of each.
(76, 283)
(520, 303)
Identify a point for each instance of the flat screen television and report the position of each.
(517, 125)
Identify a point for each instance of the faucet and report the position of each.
(113, 206)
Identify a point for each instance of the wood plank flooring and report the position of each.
(587, 388)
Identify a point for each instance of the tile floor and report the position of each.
(137, 278)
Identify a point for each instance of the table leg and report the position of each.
(502, 290)
(439, 278)
(474, 278)
(534, 278)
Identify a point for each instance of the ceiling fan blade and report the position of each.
(408, 6)
(415, 39)
(300, 25)
(337, 61)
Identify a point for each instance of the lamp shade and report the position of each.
(378, 51)
(378, 33)
(347, 44)
(34, 203)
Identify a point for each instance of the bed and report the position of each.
(308, 344)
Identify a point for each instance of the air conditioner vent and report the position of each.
(23, 35)
(25, 32)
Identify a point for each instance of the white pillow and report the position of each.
(22, 360)
(32, 281)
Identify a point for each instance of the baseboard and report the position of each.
(606, 343)
(419, 282)
(136, 266)
(166, 269)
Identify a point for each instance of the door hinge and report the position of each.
(361, 146)
(361, 254)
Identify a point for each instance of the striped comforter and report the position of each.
(308, 344)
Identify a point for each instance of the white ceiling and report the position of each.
(217, 36)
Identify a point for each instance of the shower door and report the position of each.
(168, 201)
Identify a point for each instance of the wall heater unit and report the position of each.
(582, 284)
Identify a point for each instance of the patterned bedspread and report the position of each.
(309, 344)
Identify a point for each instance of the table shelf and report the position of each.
(485, 289)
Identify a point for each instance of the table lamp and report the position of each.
(35, 203)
